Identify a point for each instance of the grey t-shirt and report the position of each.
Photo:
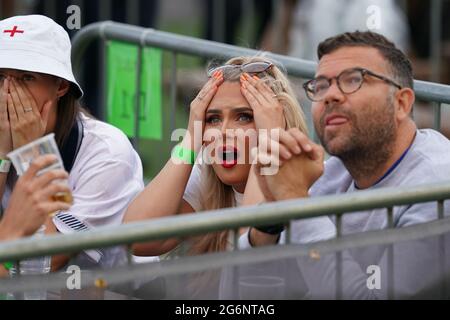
(426, 162)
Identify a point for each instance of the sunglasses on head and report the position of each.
(251, 67)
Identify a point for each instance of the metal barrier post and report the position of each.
(442, 251)
(435, 39)
(173, 91)
(390, 256)
(437, 116)
(289, 232)
(338, 259)
(137, 101)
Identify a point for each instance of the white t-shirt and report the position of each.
(194, 189)
(192, 196)
(105, 178)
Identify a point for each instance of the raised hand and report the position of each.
(268, 112)
(198, 110)
(5, 128)
(27, 122)
(299, 163)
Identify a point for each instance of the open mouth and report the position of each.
(228, 156)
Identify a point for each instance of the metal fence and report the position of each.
(178, 44)
(234, 218)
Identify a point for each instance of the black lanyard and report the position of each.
(71, 147)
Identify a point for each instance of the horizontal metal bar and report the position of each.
(177, 43)
(230, 218)
(209, 49)
(212, 261)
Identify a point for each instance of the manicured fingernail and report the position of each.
(308, 147)
(255, 77)
(297, 149)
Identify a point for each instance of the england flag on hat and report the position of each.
(38, 44)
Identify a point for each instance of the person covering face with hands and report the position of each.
(39, 95)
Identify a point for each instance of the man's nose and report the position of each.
(334, 94)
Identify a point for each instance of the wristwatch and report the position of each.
(5, 165)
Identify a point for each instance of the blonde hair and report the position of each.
(216, 194)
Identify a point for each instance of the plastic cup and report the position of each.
(23, 156)
(34, 266)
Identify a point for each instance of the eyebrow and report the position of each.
(235, 110)
(346, 69)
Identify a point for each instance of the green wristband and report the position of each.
(183, 154)
(8, 265)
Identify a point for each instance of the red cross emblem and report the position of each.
(13, 31)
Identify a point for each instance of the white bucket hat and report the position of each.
(38, 44)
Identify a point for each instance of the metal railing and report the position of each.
(233, 219)
(185, 265)
(179, 44)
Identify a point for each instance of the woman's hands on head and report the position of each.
(198, 111)
(268, 112)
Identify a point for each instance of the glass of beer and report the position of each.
(23, 156)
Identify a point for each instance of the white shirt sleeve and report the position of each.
(193, 189)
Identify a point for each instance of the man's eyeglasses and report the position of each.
(348, 81)
(251, 67)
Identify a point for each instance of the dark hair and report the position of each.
(69, 108)
(400, 65)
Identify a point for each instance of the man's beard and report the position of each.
(370, 142)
